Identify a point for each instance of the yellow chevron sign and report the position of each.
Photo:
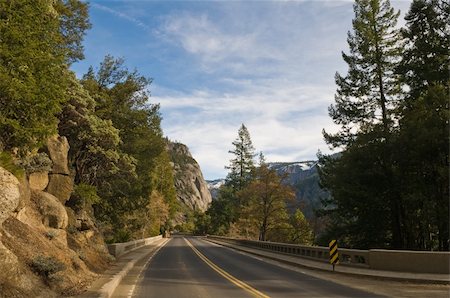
(334, 255)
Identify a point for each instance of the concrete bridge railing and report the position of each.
(378, 259)
(118, 249)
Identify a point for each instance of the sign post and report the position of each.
(334, 255)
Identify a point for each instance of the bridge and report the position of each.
(186, 266)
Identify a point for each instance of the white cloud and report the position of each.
(268, 64)
(285, 122)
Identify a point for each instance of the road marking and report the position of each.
(225, 274)
(161, 245)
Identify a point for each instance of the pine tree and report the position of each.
(242, 165)
(422, 143)
(365, 106)
(426, 57)
(366, 96)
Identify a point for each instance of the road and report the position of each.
(192, 267)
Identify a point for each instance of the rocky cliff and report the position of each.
(192, 190)
(45, 251)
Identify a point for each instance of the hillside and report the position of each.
(304, 178)
(46, 248)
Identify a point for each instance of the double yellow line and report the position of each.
(225, 274)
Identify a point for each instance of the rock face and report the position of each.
(58, 149)
(192, 190)
(38, 180)
(60, 183)
(60, 186)
(9, 194)
(54, 215)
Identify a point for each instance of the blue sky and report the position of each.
(217, 64)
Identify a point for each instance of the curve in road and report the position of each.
(197, 268)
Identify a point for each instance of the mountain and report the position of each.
(304, 178)
(192, 190)
(214, 185)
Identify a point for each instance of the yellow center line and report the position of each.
(225, 274)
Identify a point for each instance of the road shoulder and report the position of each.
(126, 267)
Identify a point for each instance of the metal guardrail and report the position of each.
(378, 259)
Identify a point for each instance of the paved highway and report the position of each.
(192, 267)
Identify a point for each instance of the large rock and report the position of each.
(58, 149)
(9, 265)
(190, 185)
(61, 186)
(54, 215)
(25, 194)
(38, 180)
(9, 194)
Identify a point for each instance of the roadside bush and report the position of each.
(46, 266)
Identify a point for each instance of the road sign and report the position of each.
(334, 255)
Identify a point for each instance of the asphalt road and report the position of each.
(192, 267)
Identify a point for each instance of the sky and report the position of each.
(218, 64)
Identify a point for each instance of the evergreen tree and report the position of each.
(365, 105)
(242, 165)
(422, 143)
(366, 96)
(427, 36)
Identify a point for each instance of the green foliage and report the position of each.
(242, 165)
(73, 18)
(425, 33)
(39, 162)
(300, 232)
(396, 171)
(422, 164)
(264, 201)
(46, 266)
(83, 197)
(202, 223)
(117, 147)
(33, 69)
(8, 163)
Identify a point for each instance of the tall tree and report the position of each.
(33, 67)
(427, 36)
(265, 199)
(365, 105)
(242, 165)
(422, 144)
(131, 157)
(366, 96)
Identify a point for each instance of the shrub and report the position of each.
(81, 255)
(39, 162)
(7, 162)
(46, 266)
(83, 196)
(51, 234)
